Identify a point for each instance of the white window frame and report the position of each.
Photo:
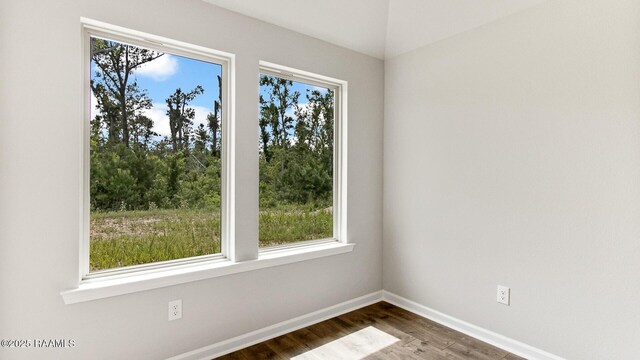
(91, 28)
(132, 279)
(339, 87)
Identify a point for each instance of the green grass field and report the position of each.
(123, 238)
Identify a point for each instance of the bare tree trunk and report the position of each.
(123, 119)
(214, 130)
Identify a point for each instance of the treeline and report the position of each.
(296, 145)
(134, 168)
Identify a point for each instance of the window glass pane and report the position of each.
(296, 161)
(155, 145)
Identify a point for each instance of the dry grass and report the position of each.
(126, 238)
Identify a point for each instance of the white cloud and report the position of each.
(158, 113)
(159, 69)
(201, 115)
(302, 107)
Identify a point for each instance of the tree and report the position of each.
(213, 121)
(213, 125)
(201, 140)
(273, 110)
(181, 116)
(142, 131)
(108, 112)
(299, 171)
(116, 62)
(267, 113)
(140, 126)
(314, 125)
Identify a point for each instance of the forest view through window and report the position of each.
(296, 155)
(155, 156)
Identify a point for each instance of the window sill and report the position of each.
(95, 289)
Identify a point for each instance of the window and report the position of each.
(155, 137)
(158, 165)
(299, 177)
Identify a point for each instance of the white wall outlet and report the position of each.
(503, 294)
(175, 310)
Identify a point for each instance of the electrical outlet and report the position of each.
(175, 310)
(503, 294)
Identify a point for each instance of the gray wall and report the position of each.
(40, 95)
(512, 156)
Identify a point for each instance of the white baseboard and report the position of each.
(503, 342)
(270, 332)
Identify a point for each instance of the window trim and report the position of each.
(131, 279)
(339, 146)
(95, 289)
(99, 29)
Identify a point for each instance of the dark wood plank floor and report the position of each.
(418, 338)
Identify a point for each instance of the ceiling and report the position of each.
(380, 28)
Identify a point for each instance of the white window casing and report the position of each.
(130, 279)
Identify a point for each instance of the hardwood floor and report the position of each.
(379, 331)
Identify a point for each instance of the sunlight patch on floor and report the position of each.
(357, 345)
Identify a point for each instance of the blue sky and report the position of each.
(302, 88)
(297, 86)
(162, 76)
